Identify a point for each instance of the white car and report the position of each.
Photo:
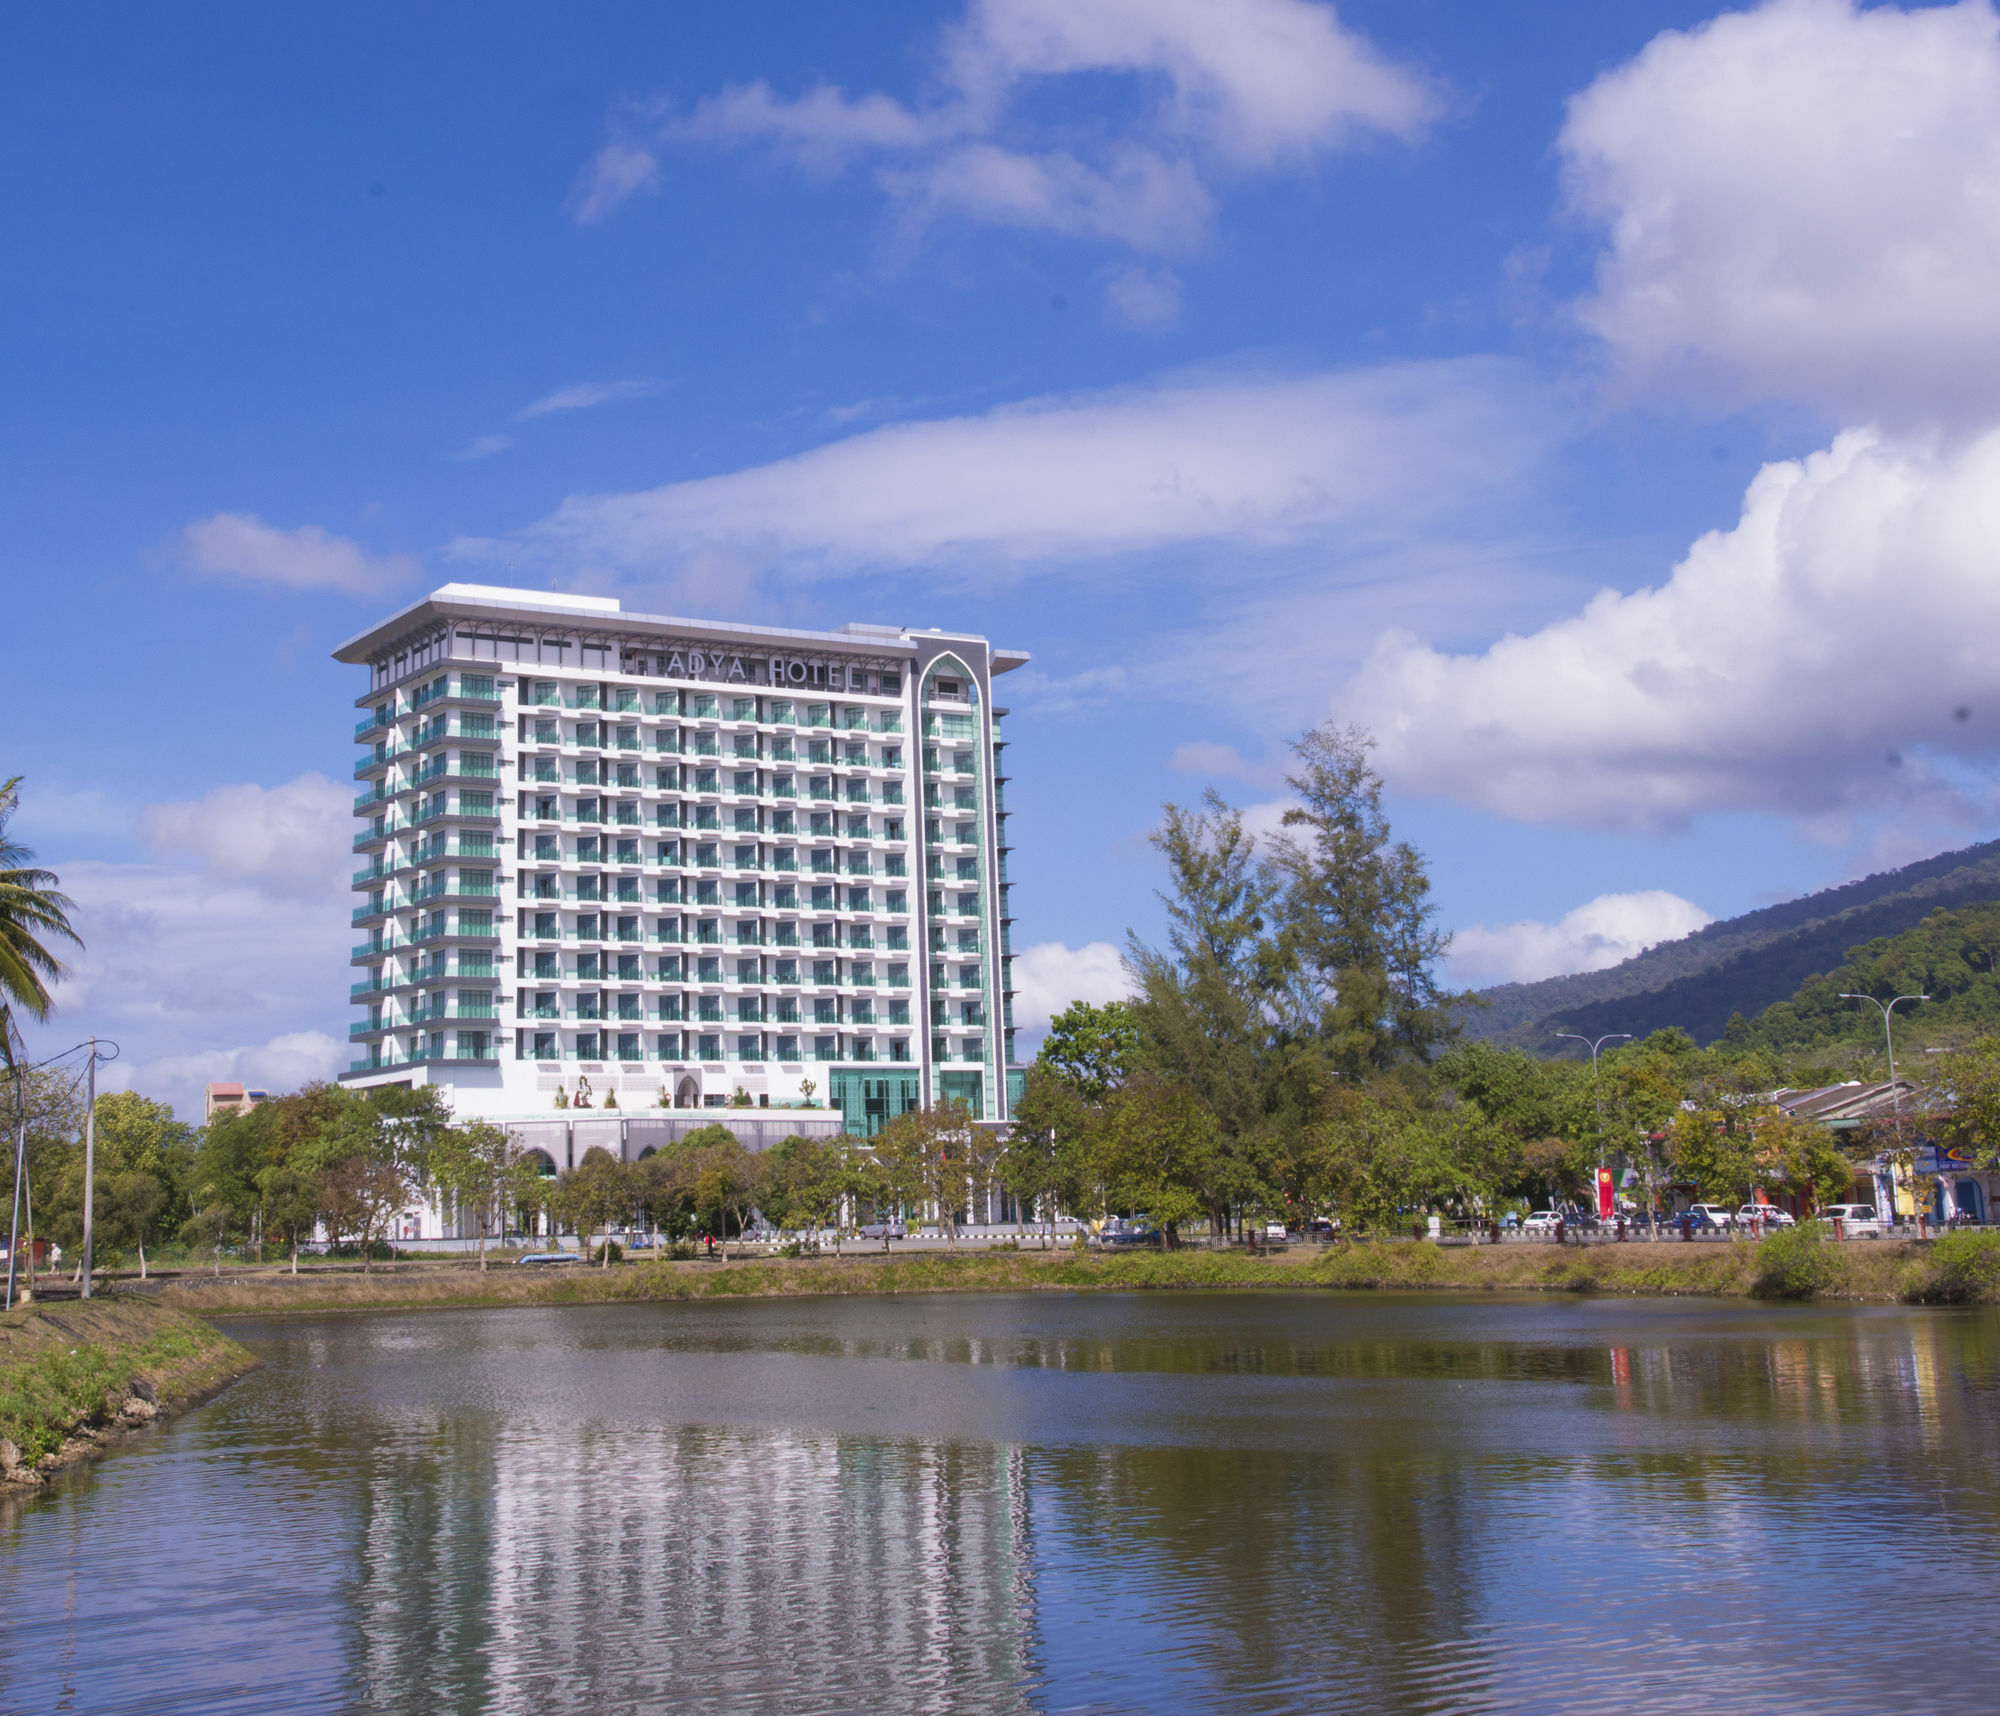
(1770, 1215)
(1709, 1215)
(1855, 1219)
(1275, 1230)
(1542, 1221)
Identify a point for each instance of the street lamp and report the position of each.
(1895, 1096)
(1596, 1098)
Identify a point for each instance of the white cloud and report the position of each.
(1802, 200)
(180, 967)
(1610, 928)
(583, 395)
(1830, 653)
(289, 841)
(242, 546)
(1209, 758)
(621, 169)
(1245, 86)
(1147, 298)
(1050, 975)
(285, 1062)
(1251, 460)
(483, 447)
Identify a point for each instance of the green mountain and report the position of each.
(1741, 965)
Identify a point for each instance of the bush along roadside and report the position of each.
(72, 1375)
(1962, 1269)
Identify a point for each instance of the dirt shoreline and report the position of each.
(1881, 1271)
(78, 1377)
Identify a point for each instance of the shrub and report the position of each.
(1964, 1269)
(1794, 1263)
(617, 1252)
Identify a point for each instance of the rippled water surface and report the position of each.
(1047, 1503)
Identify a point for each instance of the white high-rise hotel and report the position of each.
(679, 858)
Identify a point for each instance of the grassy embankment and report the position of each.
(71, 1372)
(1875, 1270)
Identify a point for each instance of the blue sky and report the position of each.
(1592, 399)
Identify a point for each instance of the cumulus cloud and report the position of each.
(289, 841)
(1252, 460)
(583, 395)
(1224, 88)
(1830, 652)
(1051, 975)
(243, 547)
(1802, 200)
(183, 968)
(1606, 930)
(284, 1062)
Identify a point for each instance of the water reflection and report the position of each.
(1041, 1504)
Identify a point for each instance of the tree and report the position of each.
(32, 913)
(290, 1201)
(126, 1212)
(1376, 1153)
(1160, 1146)
(1090, 1048)
(594, 1194)
(136, 1135)
(1804, 1157)
(1713, 1150)
(1204, 1013)
(721, 1178)
(474, 1167)
(799, 1183)
(1357, 940)
(927, 1154)
(1049, 1156)
(364, 1192)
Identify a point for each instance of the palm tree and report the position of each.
(30, 910)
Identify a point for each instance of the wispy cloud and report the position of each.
(1223, 90)
(243, 547)
(1256, 461)
(583, 395)
(483, 447)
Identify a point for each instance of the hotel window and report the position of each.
(708, 930)
(857, 900)
(587, 1045)
(747, 1010)
(587, 968)
(781, 749)
(545, 965)
(786, 1010)
(666, 703)
(826, 1048)
(746, 892)
(705, 781)
(709, 1009)
(749, 1048)
(788, 1048)
(667, 779)
(628, 889)
(899, 1012)
(857, 828)
(823, 973)
(899, 1049)
(823, 935)
(628, 852)
(788, 971)
(628, 1007)
(628, 776)
(668, 891)
(785, 898)
(669, 1046)
(781, 711)
(628, 968)
(670, 1006)
(669, 968)
(745, 709)
(745, 782)
(545, 1045)
(711, 1048)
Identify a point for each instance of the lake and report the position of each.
(1226, 1502)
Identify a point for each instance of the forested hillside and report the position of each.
(1741, 965)
(1950, 956)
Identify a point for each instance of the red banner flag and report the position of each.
(1605, 1201)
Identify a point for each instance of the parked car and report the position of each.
(885, 1229)
(1769, 1214)
(1856, 1220)
(1544, 1221)
(549, 1257)
(1712, 1218)
(1276, 1230)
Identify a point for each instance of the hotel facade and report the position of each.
(687, 864)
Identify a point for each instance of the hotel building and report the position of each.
(696, 864)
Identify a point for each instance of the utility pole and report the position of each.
(1895, 1095)
(89, 1160)
(20, 1157)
